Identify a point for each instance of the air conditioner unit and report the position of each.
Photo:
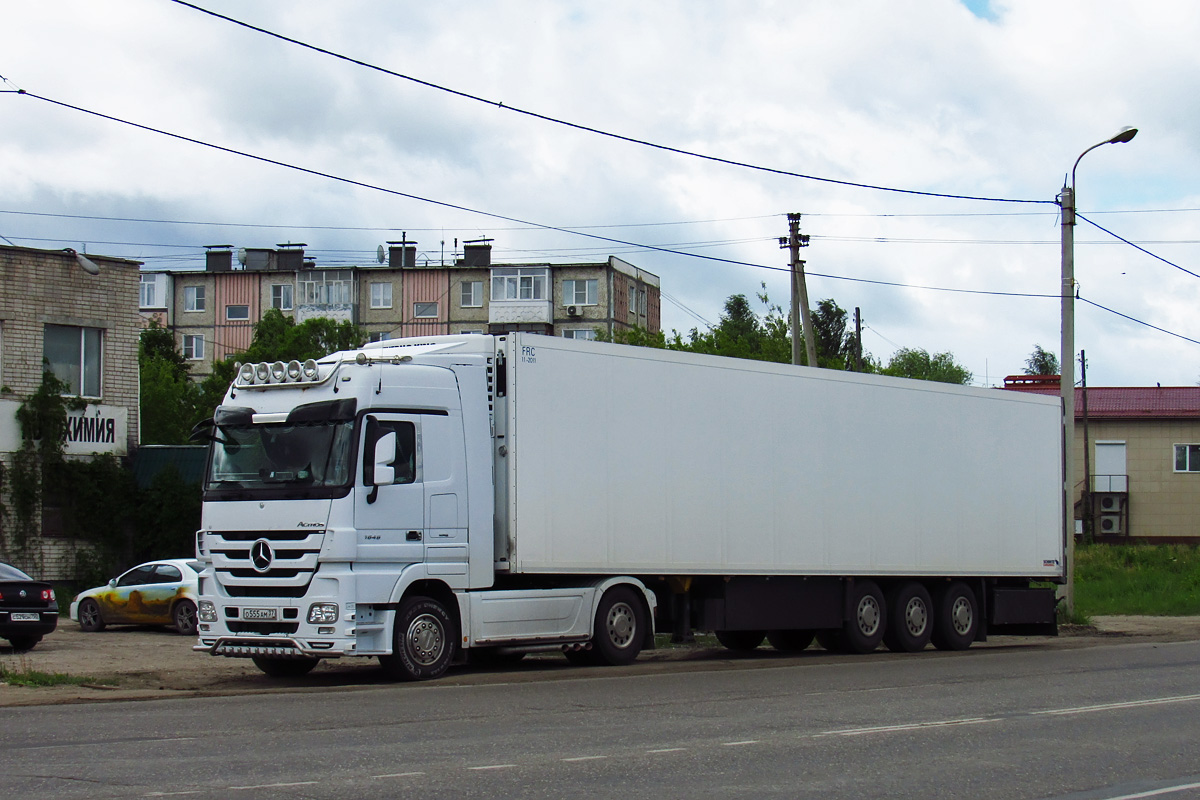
(1110, 525)
(1107, 502)
(573, 311)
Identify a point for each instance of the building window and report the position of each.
(519, 283)
(580, 293)
(326, 288)
(193, 298)
(472, 294)
(237, 313)
(379, 336)
(193, 347)
(281, 296)
(381, 295)
(633, 298)
(147, 297)
(470, 330)
(1187, 458)
(425, 310)
(74, 356)
(642, 302)
(588, 334)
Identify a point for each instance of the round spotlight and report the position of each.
(278, 371)
(293, 370)
(262, 372)
(310, 370)
(246, 373)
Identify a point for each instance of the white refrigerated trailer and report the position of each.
(425, 499)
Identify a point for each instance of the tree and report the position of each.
(741, 333)
(170, 399)
(1041, 362)
(917, 363)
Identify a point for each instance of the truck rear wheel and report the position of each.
(620, 626)
(741, 641)
(424, 638)
(910, 618)
(863, 632)
(955, 617)
(790, 641)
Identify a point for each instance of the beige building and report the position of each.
(213, 311)
(75, 315)
(1139, 448)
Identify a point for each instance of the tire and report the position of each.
(620, 627)
(863, 632)
(184, 616)
(791, 641)
(741, 641)
(285, 667)
(24, 643)
(90, 618)
(910, 618)
(424, 641)
(955, 617)
(494, 656)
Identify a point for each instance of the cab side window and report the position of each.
(405, 464)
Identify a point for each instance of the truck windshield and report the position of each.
(306, 454)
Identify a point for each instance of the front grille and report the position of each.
(237, 626)
(293, 560)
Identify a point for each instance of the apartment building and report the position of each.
(213, 311)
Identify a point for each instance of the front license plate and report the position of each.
(260, 613)
(25, 617)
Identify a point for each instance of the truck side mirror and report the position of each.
(385, 455)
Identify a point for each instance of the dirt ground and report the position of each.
(127, 663)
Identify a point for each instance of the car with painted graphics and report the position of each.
(154, 593)
(28, 608)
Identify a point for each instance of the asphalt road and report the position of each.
(1111, 721)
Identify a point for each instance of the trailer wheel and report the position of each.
(790, 641)
(910, 618)
(619, 630)
(831, 640)
(741, 641)
(285, 667)
(424, 638)
(955, 618)
(863, 632)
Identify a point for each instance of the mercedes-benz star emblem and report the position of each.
(261, 555)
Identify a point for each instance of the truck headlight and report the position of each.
(322, 613)
(207, 611)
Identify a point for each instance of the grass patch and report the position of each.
(1156, 580)
(24, 676)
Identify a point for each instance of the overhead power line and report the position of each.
(589, 129)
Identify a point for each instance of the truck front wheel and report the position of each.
(285, 667)
(620, 627)
(424, 639)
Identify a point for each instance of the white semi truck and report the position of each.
(425, 500)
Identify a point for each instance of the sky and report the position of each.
(924, 145)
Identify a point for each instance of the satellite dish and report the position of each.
(242, 256)
(380, 253)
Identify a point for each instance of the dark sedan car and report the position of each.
(28, 609)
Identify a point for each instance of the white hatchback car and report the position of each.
(154, 593)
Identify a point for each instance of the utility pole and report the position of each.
(1089, 521)
(857, 339)
(801, 316)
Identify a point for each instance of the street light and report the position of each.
(1067, 358)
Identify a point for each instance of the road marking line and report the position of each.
(739, 744)
(399, 775)
(494, 766)
(1183, 787)
(171, 794)
(271, 786)
(915, 726)
(585, 758)
(668, 750)
(1157, 701)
